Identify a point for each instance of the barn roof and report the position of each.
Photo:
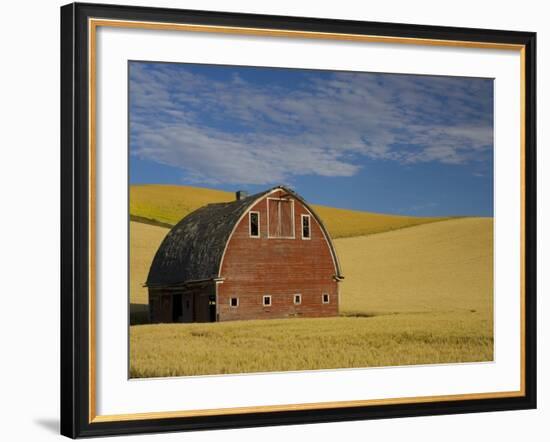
(192, 250)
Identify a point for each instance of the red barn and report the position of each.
(262, 256)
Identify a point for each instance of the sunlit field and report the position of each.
(308, 344)
(416, 295)
(440, 267)
(144, 242)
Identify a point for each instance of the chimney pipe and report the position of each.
(240, 194)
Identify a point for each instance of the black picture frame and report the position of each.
(75, 221)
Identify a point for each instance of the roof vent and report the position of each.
(240, 194)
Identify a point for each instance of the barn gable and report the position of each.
(194, 248)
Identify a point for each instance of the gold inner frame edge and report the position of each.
(93, 24)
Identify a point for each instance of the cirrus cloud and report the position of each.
(239, 128)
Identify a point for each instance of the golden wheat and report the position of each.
(420, 295)
(308, 344)
(144, 242)
(446, 266)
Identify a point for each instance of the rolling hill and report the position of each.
(165, 205)
(440, 267)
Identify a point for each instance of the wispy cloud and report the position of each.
(234, 130)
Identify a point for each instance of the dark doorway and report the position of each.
(212, 308)
(176, 308)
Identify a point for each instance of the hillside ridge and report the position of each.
(165, 205)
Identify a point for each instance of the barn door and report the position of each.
(176, 308)
(187, 309)
(212, 307)
(273, 206)
(165, 308)
(281, 222)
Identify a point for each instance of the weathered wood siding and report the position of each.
(193, 307)
(160, 306)
(254, 267)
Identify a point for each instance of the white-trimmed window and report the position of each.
(234, 302)
(306, 227)
(297, 299)
(267, 300)
(254, 224)
(326, 298)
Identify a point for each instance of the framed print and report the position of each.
(274, 220)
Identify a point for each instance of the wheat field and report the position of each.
(418, 295)
(145, 239)
(307, 344)
(440, 267)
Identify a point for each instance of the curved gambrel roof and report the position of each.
(193, 249)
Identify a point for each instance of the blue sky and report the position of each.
(404, 144)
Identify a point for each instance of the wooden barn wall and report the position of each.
(161, 303)
(254, 267)
(160, 306)
(199, 295)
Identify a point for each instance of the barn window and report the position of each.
(254, 222)
(267, 300)
(326, 298)
(306, 229)
(234, 302)
(280, 218)
(297, 299)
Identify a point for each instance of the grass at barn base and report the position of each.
(309, 344)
